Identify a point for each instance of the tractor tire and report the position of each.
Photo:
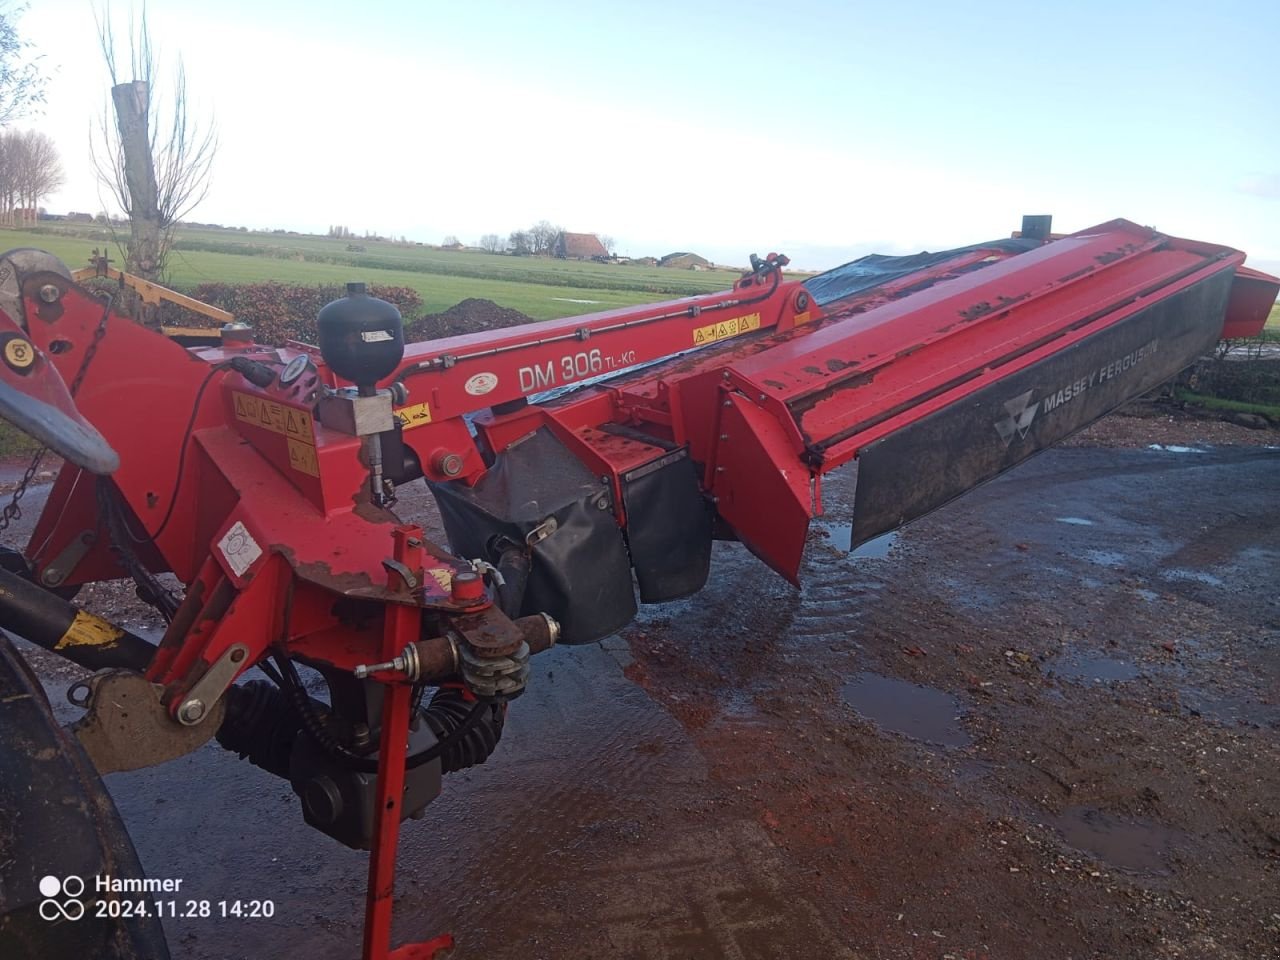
(57, 821)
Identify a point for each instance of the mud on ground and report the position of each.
(1042, 722)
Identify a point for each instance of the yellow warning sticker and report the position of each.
(303, 457)
(86, 630)
(415, 415)
(276, 417)
(803, 318)
(725, 329)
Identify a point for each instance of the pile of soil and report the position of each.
(473, 315)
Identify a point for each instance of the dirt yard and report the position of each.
(1043, 722)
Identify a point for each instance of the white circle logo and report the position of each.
(481, 383)
(69, 909)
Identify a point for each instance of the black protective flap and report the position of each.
(580, 573)
(922, 466)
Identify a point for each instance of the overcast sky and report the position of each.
(824, 130)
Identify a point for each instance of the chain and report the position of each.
(12, 511)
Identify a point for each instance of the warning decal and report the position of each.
(725, 329)
(415, 415)
(86, 630)
(303, 458)
(276, 417)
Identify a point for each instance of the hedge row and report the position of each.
(283, 311)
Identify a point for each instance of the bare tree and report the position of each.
(492, 243)
(21, 84)
(607, 242)
(155, 159)
(542, 236)
(520, 242)
(29, 171)
(41, 172)
(451, 241)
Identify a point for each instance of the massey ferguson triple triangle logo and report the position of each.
(1021, 412)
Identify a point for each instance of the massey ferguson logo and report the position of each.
(1021, 412)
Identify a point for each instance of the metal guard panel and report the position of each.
(931, 462)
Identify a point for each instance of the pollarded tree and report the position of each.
(155, 159)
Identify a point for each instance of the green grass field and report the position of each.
(541, 287)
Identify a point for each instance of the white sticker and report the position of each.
(239, 548)
(375, 336)
(481, 384)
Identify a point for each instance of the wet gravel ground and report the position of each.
(1042, 722)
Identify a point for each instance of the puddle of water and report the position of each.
(840, 536)
(1198, 576)
(1076, 521)
(1105, 558)
(1133, 846)
(1171, 448)
(1098, 669)
(915, 711)
(575, 300)
(876, 549)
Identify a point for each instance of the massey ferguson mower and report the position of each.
(578, 464)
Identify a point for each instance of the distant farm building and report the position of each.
(685, 261)
(579, 246)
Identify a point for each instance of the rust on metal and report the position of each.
(127, 727)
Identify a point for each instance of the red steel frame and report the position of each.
(780, 392)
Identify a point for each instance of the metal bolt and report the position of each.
(724, 436)
(762, 398)
(364, 669)
(50, 293)
(602, 503)
(725, 375)
(191, 711)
